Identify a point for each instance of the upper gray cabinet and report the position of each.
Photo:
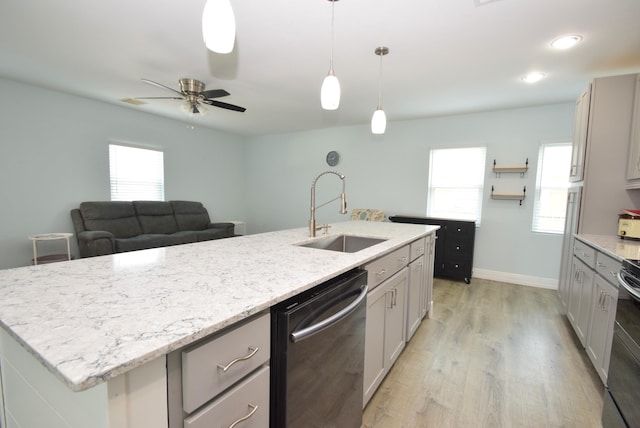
(580, 125)
(633, 167)
(603, 123)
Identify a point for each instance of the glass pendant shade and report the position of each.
(218, 26)
(378, 121)
(330, 92)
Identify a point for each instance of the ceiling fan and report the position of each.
(192, 91)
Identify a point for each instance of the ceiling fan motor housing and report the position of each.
(191, 86)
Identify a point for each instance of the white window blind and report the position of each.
(456, 181)
(136, 174)
(552, 181)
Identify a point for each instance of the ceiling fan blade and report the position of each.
(159, 98)
(224, 105)
(160, 85)
(215, 93)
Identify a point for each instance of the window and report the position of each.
(456, 179)
(550, 203)
(136, 174)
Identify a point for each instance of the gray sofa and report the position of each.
(114, 227)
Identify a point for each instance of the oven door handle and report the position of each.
(303, 333)
(622, 280)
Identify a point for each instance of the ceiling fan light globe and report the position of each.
(330, 92)
(218, 26)
(378, 121)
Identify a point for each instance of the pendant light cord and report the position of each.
(333, 3)
(380, 83)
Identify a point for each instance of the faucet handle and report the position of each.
(325, 227)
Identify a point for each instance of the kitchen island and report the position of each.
(94, 331)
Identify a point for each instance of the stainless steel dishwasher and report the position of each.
(317, 355)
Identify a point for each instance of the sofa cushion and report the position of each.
(190, 215)
(155, 217)
(118, 218)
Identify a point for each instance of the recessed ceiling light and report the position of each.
(566, 42)
(533, 77)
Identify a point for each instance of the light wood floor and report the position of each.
(492, 355)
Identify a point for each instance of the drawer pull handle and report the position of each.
(246, 357)
(382, 272)
(253, 408)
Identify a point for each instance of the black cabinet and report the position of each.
(454, 245)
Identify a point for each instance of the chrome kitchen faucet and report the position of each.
(342, 197)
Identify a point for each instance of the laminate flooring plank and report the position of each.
(492, 355)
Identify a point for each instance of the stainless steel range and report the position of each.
(622, 395)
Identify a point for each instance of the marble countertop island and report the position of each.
(90, 320)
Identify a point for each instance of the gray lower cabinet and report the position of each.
(223, 380)
(580, 292)
(592, 302)
(601, 332)
(416, 286)
(247, 403)
(400, 289)
(385, 330)
(605, 300)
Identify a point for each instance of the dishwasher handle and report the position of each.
(303, 333)
(629, 283)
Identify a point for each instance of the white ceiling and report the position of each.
(446, 56)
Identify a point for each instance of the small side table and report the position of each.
(240, 227)
(50, 237)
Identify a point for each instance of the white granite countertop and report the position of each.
(613, 245)
(90, 320)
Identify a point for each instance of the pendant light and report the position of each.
(218, 26)
(379, 119)
(330, 91)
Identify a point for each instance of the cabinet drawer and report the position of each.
(384, 267)
(585, 253)
(458, 248)
(608, 268)
(203, 376)
(249, 399)
(455, 267)
(460, 230)
(417, 248)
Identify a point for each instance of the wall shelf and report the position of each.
(506, 170)
(509, 196)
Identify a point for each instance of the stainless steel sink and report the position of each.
(343, 243)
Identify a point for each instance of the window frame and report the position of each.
(537, 226)
(149, 187)
(458, 169)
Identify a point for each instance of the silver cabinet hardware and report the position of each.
(244, 418)
(246, 357)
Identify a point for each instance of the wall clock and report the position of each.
(332, 158)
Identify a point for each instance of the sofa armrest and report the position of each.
(95, 243)
(229, 228)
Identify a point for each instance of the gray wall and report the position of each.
(390, 172)
(54, 155)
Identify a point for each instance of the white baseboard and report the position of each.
(514, 278)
